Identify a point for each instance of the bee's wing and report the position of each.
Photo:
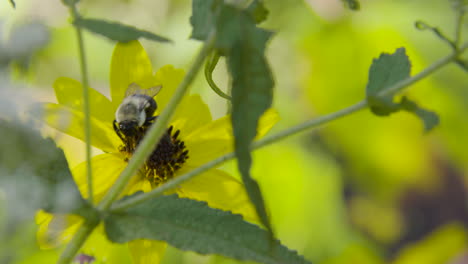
(152, 91)
(134, 88)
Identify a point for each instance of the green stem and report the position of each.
(209, 68)
(156, 131)
(313, 123)
(86, 105)
(423, 26)
(77, 241)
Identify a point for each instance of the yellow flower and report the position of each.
(203, 140)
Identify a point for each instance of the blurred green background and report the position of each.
(362, 189)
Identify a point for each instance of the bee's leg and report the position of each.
(150, 120)
(117, 131)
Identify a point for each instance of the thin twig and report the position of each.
(86, 104)
(209, 67)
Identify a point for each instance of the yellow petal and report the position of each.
(106, 168)
(203, 150)
(103, 250)
(55, 230)
(169, 77)
(191, 114)
(130, 63)
(266, 122)
(69, 92)
(216, 138)
(209, 141)
(147, 251)
(136, 184)
(71, 122)
(220, 191)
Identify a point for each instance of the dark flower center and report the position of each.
(167, 157)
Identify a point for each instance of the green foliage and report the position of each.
(252, 92)
(243, 43)
(208, 13)
(386, 71)
(116, 31)
(258, 11)
(202, 18)
(193, 225)
(234, 25)
(352, 4)
(38, 171)
(13, 4)
(429, 118)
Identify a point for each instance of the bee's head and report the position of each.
(128, 127)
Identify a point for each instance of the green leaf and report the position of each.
(193, 225)
(258, 11)
(207, 13)
(34, 173)
(382, 106)
(429, 118)
(116, 31)
(228, 27)
(384, 72)
(243, 44)
(387, 70)
(202, 18)
(12, 3)
(352, 4)
(252, 88)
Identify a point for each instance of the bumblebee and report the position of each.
(135, 114)
(133, 119)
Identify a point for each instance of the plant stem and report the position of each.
(157, 130)
(86, 105)
(209, 68)
(77, 241)
(313, 123)
(255, 145)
